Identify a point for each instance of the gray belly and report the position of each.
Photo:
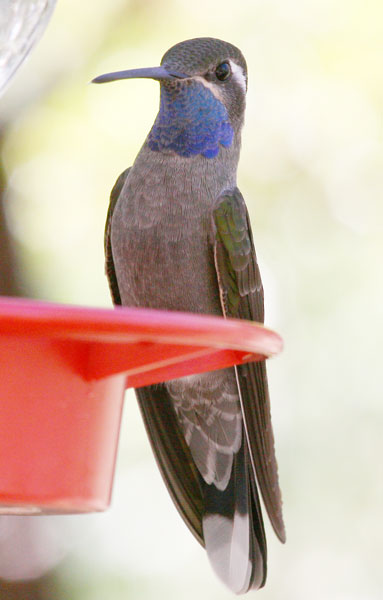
(164, 258)
(156, 272)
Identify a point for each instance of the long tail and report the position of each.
(227, 522)
(233, 528)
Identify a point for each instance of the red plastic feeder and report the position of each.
(63, 372)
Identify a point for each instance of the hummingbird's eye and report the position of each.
(223, 71)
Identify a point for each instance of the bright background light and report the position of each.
(311, 172)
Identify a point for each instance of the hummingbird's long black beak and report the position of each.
(158, 73)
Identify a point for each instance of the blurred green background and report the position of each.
(311, 172)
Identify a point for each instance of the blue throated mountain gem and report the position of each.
(178, 237)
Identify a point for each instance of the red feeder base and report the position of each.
(63, 372)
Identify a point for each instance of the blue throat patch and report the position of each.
(191, 121)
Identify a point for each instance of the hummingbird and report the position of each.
(178, 237)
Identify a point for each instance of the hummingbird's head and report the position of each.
(203, 91)
(215, 64)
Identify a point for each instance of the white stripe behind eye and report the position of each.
(238, 75)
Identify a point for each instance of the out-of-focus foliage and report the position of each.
(312, 174)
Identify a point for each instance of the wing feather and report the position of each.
(173, 455)
(241, 292)
(109, 263)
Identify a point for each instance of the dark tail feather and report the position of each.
(233, 528)
(172, 454)
(229, 522)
